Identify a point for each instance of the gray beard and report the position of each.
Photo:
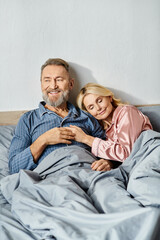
(62, 99)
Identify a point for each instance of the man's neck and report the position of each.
(61, 110)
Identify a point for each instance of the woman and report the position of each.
(123, 124)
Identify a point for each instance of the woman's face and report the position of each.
(98, 106)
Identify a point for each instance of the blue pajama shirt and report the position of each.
(36, 122)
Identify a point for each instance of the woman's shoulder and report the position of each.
(126, 107)
(123, 110)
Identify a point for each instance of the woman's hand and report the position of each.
(102, 165)
(78, 132)
(81, 136)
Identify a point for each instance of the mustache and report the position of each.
(63, 98)
(54, 90)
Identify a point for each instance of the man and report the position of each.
(43, 130)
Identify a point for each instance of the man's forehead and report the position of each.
(54, 69)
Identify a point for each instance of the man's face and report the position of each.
(56, 85)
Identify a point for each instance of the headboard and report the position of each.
(152, 111)
(10, 117)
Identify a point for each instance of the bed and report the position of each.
(59, 201)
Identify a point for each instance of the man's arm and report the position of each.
(20, 156)
(51, 137)
(24, 153)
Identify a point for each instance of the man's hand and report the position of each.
(58, 135)
(102, 165)
(51, 137)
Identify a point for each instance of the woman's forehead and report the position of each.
(90, 98)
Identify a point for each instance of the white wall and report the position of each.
(113, 42)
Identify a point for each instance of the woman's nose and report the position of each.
(98, 107)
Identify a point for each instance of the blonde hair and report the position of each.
(94, 88)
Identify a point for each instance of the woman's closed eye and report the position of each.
(99, 100)
(91, 107)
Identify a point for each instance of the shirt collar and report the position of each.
(71, 107)
(42, 109)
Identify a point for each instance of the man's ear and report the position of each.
(71, 83)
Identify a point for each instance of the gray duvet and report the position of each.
(64, 199)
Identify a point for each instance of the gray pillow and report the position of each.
(6, 134)
(153, 113)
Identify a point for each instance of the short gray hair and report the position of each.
(57, 62)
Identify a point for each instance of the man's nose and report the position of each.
(53, 83)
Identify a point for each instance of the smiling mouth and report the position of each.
(101, 113)
(54, 92)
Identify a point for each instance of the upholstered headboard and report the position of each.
(152, 111)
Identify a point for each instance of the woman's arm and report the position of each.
(128, 124)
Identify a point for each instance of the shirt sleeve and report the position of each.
(128, 125)
(20, 156)
(96, 129)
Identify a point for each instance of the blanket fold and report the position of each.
(64, 199)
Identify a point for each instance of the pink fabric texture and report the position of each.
(127, 124)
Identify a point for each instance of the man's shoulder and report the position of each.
(30, 113)
(78, 111)
(29, 116)
(85, 113)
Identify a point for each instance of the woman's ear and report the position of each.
(111, 99)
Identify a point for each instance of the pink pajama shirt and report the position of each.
(127, 124)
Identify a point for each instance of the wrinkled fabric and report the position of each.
(64, 199)
(127, 124)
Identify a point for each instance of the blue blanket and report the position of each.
(64, 199)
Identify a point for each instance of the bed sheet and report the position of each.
(64, 199)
